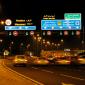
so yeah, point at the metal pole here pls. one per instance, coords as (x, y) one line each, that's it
(83, 38)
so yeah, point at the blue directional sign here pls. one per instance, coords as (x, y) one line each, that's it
(20, 27)
(61, 25)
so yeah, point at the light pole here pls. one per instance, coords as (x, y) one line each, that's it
(83, 39)
(38, 39)
(62, 42)
(58, 45)
(10, 47)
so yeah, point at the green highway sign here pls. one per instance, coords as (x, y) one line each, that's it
(72, 16)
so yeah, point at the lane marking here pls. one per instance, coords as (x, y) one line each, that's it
(38, 83)
(43, 70)
(72, 77)
(47, 71)
(34, 68)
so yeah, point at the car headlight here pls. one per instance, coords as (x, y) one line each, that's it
(38, 61)
(15, 60)
(46, 62)
(25, 60)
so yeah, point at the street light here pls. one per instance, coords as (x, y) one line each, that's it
(52, 43)
(38, 35)
(62, 43)
(48, 42)
(12, 42)
(55, 44)
(61, 33)
(1, 40)
(43, 40)
(35, 38)
(2, 22)
(62, 40)
(21, 44)
(58, 44)
(39, 38)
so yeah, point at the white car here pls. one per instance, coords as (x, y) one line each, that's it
(41, 61)
(20, 60)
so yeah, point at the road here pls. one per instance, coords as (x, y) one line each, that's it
(8, 77)
(52, 75)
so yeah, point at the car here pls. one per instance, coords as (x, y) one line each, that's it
(51, 59)
(63, 61)
(20, 60)
(81, 59)
(41, 61)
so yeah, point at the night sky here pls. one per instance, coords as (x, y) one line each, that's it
(35, 9)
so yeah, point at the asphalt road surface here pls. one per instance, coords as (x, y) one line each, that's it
(8, 77)
(52, 75)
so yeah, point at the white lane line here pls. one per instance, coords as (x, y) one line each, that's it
(34, 67)
(43, 70)
(72, 77)
(47, 71)
(38, 83)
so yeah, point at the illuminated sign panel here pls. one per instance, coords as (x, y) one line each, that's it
(20, 27)
(61, 25)
(72, 16)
